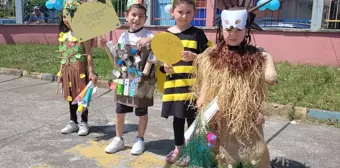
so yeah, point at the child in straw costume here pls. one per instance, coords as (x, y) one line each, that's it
(237, 73)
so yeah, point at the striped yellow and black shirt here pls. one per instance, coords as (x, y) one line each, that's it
(176, 97)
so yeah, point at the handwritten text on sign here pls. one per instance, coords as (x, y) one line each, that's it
(167, 48)
(93, 19)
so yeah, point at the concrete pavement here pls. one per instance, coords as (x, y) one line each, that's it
(31, 120)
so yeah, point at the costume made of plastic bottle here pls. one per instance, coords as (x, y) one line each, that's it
(134, 75)
(74, 65)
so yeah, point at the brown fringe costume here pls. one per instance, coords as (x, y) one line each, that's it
(74, 71)
(237, 77)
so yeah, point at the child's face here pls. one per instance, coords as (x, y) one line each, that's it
(183, 14)
(234, 37)
(136, 18)
(65, 20)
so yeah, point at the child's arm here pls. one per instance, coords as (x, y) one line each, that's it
(270, 72)
(202, 45)
(200, 100)
(88, 49)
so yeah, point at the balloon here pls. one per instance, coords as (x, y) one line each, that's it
(274, 5)
(52, 1)
(48, 5)
(60, 1)
(58, 6)
(168, 8)
(263, 7)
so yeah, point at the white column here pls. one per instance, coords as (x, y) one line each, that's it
(148, 12)
(318, 6)
(19, 11)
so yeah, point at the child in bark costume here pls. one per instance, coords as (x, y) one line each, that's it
(236, 73)
(76, 68)
(134, 76)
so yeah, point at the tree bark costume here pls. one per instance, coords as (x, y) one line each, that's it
(73, 66)
(237, 75)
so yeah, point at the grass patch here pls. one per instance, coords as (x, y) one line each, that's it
(302, 85)
(307, 86)
(42, 58)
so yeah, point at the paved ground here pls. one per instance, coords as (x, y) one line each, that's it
(31, 121)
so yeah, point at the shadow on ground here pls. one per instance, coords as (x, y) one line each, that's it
(287, 163)
(109, 131)
(4, 81)
(160, 147)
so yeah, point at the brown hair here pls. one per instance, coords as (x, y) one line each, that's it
(178, 2)
(136, 6)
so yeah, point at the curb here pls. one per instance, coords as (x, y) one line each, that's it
(323, 114)
(42, 76)
(291, 111)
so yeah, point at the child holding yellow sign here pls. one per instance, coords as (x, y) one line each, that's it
(176, 98)
(76, 69)
(135, 76)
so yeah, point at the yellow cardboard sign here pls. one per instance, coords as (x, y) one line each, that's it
(161, 78)
(94, 18)
(167, 48)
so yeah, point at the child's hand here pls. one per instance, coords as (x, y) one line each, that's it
(143, 42)
(188, 56)
(60, 79)
(200, 102)
(93, 77)
(103, 42)
(260, 119)
(168, 68)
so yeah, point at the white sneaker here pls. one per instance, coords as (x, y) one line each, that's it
(70, 127)
(138, 147)
(83, 129)
(116, 145)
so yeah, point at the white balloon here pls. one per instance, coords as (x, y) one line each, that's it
(52, 1)
(168, 8)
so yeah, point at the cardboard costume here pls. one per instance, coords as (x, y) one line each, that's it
(134, 74)
(237, 75)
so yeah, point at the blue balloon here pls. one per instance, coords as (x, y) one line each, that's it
(274, 5)
(58, 6)
(263, 7)
(48, 5)
(61, 2)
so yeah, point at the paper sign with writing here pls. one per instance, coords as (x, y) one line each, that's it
(167, 48)
(94, 18)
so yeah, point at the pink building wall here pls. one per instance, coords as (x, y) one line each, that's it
(318, 48)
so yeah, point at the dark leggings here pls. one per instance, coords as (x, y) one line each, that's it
(73, 113)
(179, 126)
